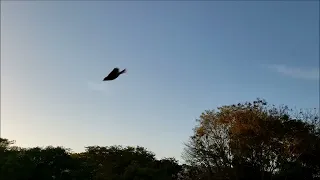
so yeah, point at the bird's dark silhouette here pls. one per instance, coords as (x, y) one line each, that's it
(114, 74)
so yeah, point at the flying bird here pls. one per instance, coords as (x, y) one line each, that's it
(114, 74)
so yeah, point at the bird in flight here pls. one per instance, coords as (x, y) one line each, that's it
(114, 74)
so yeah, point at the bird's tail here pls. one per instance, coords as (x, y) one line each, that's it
(123, 71)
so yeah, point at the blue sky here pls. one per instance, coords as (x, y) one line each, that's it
(182, 58)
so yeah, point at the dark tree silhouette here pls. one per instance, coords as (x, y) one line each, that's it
(96, 163)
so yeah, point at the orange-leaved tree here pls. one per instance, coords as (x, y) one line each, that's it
(253, 140)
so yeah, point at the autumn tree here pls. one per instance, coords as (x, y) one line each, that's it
(253, 140)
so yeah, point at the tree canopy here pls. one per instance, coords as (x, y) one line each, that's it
(256, 141)
(252, 140)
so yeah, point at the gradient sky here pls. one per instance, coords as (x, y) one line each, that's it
(182, 58)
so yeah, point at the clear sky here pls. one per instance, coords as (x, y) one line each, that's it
(182, 58)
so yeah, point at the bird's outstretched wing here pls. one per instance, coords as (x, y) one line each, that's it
(123, 71)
